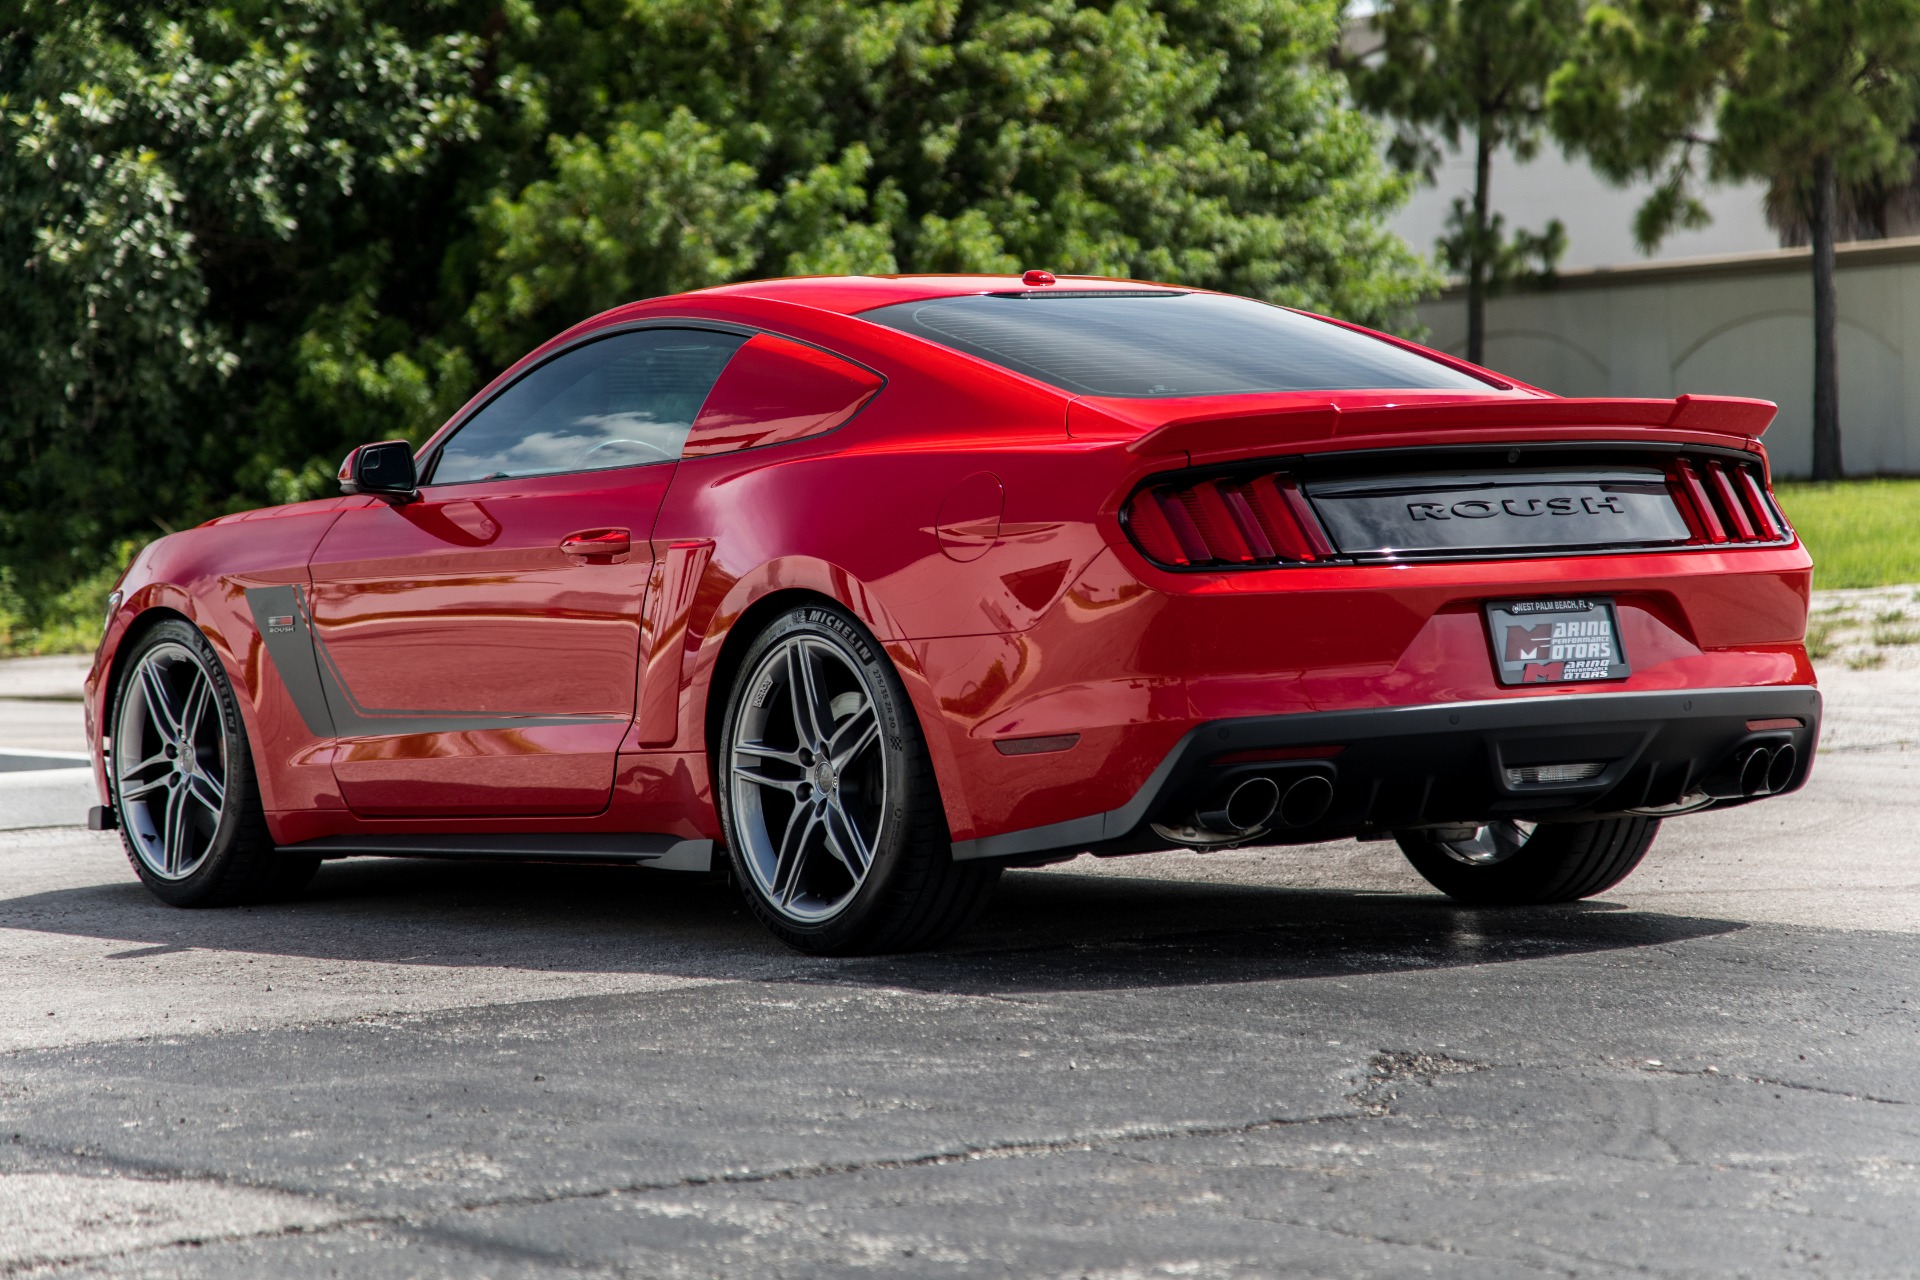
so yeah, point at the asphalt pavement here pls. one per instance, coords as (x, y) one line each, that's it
(1264, 1062)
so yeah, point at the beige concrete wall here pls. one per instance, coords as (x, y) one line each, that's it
(1738, 325)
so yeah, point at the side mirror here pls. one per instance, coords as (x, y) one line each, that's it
(383, 470)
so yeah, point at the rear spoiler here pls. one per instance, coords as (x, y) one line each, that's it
(1268, 428)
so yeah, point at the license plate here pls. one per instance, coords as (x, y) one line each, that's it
(1556, 641)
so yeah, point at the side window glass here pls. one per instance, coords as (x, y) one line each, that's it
(778, 390)
(623, 401)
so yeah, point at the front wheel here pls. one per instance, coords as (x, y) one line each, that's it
(828, 800)
(183, 782)
(1509, 863)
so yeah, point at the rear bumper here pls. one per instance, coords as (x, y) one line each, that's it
(1398, 767)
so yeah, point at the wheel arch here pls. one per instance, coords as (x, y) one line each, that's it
(733, 650)
(152, 606)
(753, 619)
(129, 640)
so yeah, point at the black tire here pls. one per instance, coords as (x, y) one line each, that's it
(234, 856)
(913, 894)
(1555, 862)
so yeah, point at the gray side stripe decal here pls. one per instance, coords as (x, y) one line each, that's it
(280, 615)
(320, 692)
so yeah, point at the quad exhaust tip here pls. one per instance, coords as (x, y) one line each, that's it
(1256, 803)
(1247, 807)
(1765, 770)
(1780, 771)
(1306, 801)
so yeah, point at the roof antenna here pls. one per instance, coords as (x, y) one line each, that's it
(1036, 277)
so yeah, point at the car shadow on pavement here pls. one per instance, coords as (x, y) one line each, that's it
(1045, 932)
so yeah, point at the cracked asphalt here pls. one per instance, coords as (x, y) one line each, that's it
(1257, 1063)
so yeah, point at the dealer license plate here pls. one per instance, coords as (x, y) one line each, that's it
(1556, 641)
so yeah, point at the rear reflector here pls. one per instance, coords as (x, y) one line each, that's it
(1035, 746)
(1782, 722)
(1226, 521)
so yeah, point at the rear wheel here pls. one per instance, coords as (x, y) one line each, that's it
(829, 803)
(1511, 863)
(183, 781)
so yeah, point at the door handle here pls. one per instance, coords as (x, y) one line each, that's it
(598, 544)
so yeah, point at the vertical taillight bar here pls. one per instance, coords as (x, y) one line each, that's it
(1696, 493)
(1290, 537)
(1250, 526)
(1193, 542)
(1303, 517)
(1736, 510)
(1223, 532)
(1147, 522)
(1757, 504)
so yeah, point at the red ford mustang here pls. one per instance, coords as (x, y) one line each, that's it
(870, 587)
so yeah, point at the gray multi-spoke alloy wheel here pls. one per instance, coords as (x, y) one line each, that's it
(183, 782)
(1511, 863)
(1494, 842)
(170, 761)
(832, 816)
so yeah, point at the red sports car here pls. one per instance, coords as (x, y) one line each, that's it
(868, 588)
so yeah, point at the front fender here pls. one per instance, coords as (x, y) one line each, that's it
(141, 604)
(202, 575)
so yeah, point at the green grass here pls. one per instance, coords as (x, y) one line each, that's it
(1862, 533)
(1820, 636)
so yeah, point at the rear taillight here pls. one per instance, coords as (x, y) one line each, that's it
(1725, 502)
(1226, 521)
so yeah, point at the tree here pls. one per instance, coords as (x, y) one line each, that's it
(1448, 69)
(187, 194)
(1199, 142)
(1811, 96)
(239, 237)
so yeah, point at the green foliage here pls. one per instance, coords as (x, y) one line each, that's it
(1448, 70)
(1861, 533)
(1815, 97)
(239, 238)
(1472, 70)
(1686, 92)
(64, 621)
(1522, 258)
(1202, 143)
(651, 211)
(186, 188)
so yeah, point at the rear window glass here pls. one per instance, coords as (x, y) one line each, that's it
(1165, 344)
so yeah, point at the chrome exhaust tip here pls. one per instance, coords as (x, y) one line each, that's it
(1306, 801)
(1248, 807)
(1753, 771)
(1781, 768)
